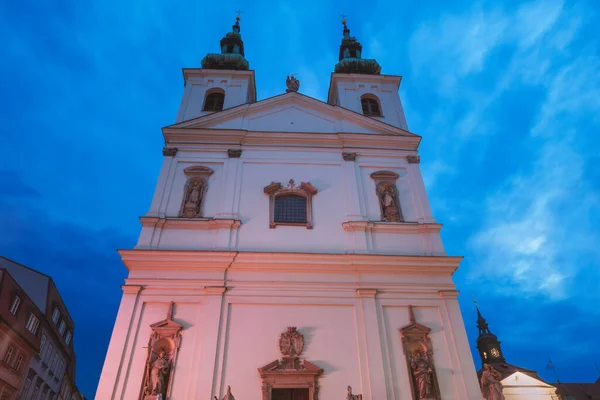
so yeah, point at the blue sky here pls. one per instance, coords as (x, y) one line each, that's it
(506, 96)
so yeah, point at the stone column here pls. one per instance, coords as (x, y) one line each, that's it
(377, 388)
(118, 342)
(463, 367)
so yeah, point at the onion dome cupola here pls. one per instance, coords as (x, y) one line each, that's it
(488, 344)
(350, 61)
(232, 52)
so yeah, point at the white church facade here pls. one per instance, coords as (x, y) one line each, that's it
(290, 250)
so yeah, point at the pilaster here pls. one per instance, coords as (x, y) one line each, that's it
(122, 333)
(353, 206)
(418, 191)
(161, 194)
(377, 387)
(231, 167)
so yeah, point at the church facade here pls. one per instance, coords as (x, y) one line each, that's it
(290, 252)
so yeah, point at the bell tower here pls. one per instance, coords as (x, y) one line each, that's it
(487, 343)
(357, 84)
(223, 82)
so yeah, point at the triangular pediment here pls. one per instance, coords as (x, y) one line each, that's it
(166, 324)
(415, 329)
(520, 379)
(292, 112)
(301, 367)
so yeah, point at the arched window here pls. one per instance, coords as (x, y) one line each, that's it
(290, 204)
(370, 106)
(290, 208)
(214, 101)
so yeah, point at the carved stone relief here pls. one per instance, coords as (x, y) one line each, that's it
(413, 159)
(349, 156)
(290, 371)
(418, 351)
(163, 348)
(387, 193)
(228, 395)
(234, 153)
(351, 396)
(194, 191)
(169, 151)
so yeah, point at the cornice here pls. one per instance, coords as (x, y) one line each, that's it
(391, 227)
(288, 262)
(340, 140)
(190, 223)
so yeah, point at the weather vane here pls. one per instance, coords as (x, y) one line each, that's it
(343, 18)
(238, 12)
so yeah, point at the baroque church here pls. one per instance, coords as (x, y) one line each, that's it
(290, 251)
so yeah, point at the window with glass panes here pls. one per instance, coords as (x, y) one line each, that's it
(290, 209)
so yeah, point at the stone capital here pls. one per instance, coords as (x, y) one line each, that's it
(214, 290)
(366, 292)
(413, 159)
(169, 151)
(448, 294)
(349, 156)
(131, 289)
(234, 153)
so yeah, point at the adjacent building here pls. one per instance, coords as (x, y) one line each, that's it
(53, 363)
(20, 334)
(290, 251)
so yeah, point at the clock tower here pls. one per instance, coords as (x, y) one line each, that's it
(487, 343)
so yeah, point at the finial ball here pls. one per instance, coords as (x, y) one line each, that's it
(344, 21)
(237, 18)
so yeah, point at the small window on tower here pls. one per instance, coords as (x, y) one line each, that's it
(370, 106)
(214, 101)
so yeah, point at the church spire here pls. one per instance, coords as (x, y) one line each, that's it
(487, 343)
(350, 60)
(232, 51)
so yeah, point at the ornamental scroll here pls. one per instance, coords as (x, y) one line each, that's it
(418, 350)
(163, 348)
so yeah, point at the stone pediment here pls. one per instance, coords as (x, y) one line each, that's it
(279, 367)
(415, 329)
(292, 112)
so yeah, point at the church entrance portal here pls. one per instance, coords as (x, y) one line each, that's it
(289, 394)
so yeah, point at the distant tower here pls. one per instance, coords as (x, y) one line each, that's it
(487, 343)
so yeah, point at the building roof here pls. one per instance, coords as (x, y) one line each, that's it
(33, 282)
(580, 391)
(507, 370)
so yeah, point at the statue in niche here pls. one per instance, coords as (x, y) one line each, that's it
(422, 371)
(159, 375)
(353, 396)
(387, 197)
(192, 199)
(490, 383)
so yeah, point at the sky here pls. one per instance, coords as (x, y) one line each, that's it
(506, 96)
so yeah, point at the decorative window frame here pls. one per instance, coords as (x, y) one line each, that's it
(306, 190)
(390, 178)
(196, 173)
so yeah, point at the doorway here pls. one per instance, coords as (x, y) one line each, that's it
(289, 394)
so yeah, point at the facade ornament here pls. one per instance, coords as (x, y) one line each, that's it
(387, 193)
(349, 156)
(163, 347)
(228, 395)
(234, 153)
(351, 396)
(491, 386)
(291, 343)
(169, 151)
(418, 351)
(290, 371)
(194, 191)
(292, 84)
(413, 159)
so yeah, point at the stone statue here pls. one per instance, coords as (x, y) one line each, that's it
(353, 396)
(422, 370)
(228, 395)
(387, 194)
(159, 371)
(292, 84)
(490, 383)
(193, 199)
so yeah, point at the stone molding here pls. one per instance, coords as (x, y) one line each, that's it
(391, 227)
(349, 156)
(366, 292)
(234, 153)
(190, 223)
(288, 262)
(131, 289)
(412, 159)
(169, 151)
(448, 294)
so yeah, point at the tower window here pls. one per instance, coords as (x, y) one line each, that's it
(370, 107)
(290, 209)
(214, 101)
